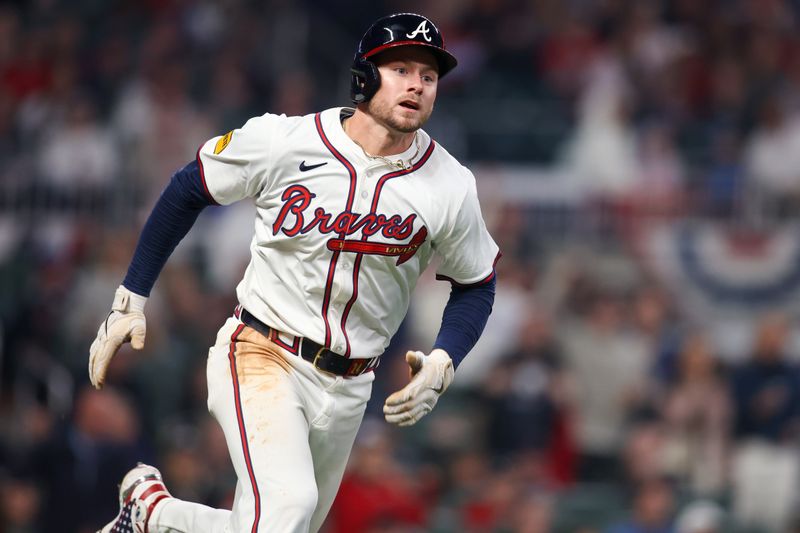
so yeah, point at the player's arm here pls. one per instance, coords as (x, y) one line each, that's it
(468, 257)
(172, 217)
(227, 169)
(463, 320)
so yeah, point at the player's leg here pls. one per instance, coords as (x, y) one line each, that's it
(179, 516)
(253, 394)
(258, 400)
(332, 441)
(145, 503)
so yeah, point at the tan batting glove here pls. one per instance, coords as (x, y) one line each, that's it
(124, 323)
(430, 377)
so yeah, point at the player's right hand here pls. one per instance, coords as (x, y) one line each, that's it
(124, 323)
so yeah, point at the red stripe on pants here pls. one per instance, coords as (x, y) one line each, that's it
(242, 430)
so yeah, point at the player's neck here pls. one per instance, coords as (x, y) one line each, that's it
(374, 137)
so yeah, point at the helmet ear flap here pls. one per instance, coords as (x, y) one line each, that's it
(365, 81)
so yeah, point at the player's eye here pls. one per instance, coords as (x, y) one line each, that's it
(401, 70)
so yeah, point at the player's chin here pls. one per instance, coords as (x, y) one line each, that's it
(408, 120)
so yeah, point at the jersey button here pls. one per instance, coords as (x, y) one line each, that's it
(364, 194)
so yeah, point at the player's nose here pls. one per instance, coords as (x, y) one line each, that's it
(415, 84)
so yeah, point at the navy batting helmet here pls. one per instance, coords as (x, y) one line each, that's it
(400, 29)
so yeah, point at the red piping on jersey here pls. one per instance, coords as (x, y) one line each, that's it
(203, 177)
(350, 302)
(326, 300)
(242, 430)
(373, 209)
(487, 279)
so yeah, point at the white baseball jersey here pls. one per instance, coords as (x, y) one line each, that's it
(341, 238)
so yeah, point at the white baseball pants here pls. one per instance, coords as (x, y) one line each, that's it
(289, 430)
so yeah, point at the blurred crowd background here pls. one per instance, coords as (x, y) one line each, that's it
(638, 162)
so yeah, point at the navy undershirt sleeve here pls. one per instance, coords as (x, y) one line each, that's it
(464, 318)
(171, 219)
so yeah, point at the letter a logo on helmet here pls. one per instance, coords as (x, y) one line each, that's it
(423, 29)
(400, 29)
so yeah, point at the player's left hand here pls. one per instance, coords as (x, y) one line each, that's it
(430, 376)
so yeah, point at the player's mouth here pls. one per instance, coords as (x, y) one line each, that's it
(410, 104)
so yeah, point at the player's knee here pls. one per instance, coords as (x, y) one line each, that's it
(298, 502)
(304, 501)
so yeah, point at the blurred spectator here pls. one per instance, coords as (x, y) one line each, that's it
(602, 152)
(158, 124)
(655, 319)
(764, 484)
(294, 93)
(653, 508)
(491, 506)
(78, 151)
(10, 31)
(525, 399)
(644, 454)
(659, 188)
(533, 513)
(20, 505)
(84, 457)
(375, 489)
(197, 465)
(45, 110)
(766, 388)
(700, 517)
(766, 467)
(29, 71)
(727, 93)
(725, 179)
(773, 156)
(697, 412)
(468, 471)
(608, 369)
(566, 53)
(231, 96)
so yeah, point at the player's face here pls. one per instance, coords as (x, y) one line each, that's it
(409, 78)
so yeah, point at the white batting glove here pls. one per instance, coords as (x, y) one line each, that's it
(430, 377)
(124, 323)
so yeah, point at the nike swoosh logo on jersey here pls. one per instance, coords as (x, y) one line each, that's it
(304, 167)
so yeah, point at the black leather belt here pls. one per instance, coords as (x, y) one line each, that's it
(316, 354)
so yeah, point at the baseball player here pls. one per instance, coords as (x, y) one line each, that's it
(352, 204)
